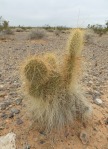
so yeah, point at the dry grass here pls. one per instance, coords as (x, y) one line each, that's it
(37, 34)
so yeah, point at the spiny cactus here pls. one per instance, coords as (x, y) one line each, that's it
(51, 59)
(71, 64)
(55, 96)
(36, 71)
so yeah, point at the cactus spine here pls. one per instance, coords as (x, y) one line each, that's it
(55, 101)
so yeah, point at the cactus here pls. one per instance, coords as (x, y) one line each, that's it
(55, 96)
(51, 59)
(71, 64)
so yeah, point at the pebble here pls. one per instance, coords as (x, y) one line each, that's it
(1, 87)
(19, 121)
(11, 115)
(18, 101)
(4, 116)
(2, 106)
(8, 141)
(84, 137)
(15, 111)
(98, 101)
(97, 93)
(7, 103)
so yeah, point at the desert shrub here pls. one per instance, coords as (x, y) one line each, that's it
(9, 32)
(89, 38)
(23, 28)
(4, 27)
(54, 94)
(61, 28)
(57, 32)
(37, 34)
(98, 29)
(1, 24)
(50, 30)
(48, 27)
(19, 30)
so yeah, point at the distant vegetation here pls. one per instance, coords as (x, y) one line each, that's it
(6, 29)
(99, 29)
(48, 27)
(4, 26)
(37, 34)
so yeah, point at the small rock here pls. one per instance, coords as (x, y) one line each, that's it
(42, 141)
(2, 106)
(15, 111)
(97, 93)
(42, 133)
(4, 116)
(8, 141)
(106, 121)
(11, 115)
(98, 101)
(1, 87)
(7, 103)
(84, 137)
(18, 101)
(19, 121)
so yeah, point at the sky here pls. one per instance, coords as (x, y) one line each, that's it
(72, 13)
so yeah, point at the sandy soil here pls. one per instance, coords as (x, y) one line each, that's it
(13, 113)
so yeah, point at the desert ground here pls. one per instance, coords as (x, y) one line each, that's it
(14, 49)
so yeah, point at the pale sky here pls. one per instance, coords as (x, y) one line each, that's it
(54, 12)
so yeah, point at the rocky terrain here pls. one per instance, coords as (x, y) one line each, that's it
(13, 113)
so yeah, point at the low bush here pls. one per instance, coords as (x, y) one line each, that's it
(37, 34)
(98, 29)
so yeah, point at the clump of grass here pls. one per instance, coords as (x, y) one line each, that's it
(53, 92)
(9, 32)
(37, 34)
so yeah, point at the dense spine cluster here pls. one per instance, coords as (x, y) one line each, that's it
(54, 95)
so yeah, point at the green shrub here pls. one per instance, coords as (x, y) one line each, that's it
(4, 26)
(98, 29)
